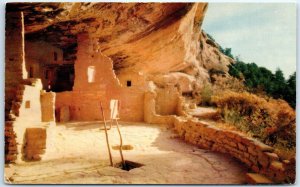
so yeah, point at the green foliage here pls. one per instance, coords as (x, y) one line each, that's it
(290, 91)
(235, 72)
(260, 78)
(210, 37)
(227, 52)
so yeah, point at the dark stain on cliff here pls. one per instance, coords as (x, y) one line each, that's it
(119, 61)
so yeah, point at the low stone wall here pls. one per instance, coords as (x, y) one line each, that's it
(35, 143)
(85, 105)
(256, 155)
(150, 115)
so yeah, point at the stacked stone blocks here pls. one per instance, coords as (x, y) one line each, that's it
(259, 157)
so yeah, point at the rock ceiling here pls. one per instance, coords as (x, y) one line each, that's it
(152, 37)
(58, 23)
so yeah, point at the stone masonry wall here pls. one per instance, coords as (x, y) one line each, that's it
(256, 155)
(14, 57)
(102, 85)
(35, 143)
(28, 113)
(85, 105)
(37, 59)
(22, 95)
(150, 114)
(14, 74)
(48, 106)
(166, 100)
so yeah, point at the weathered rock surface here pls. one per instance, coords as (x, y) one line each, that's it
(153, 38)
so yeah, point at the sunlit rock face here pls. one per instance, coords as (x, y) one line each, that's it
(147, 38)
(210, 56)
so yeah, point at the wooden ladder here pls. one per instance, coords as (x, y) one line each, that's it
(113, 118)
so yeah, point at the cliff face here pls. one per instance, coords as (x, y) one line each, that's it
(152, 39)
(210, 57)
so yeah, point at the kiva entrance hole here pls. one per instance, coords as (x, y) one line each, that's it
(129, 165)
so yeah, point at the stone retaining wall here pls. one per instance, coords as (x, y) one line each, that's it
(256, 155)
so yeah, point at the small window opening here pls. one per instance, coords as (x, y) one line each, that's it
(91, 74)
(55, 56)
(27, 104)
(30, 72)
(128, 83)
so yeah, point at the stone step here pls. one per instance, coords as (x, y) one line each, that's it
(255, 178)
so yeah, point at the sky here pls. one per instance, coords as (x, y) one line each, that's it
(264, 33)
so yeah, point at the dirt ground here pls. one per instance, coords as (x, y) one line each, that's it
(78, 155)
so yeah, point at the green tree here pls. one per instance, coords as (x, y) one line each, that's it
(233, 71)
(227, 52)
(262, 79)
(279, 84)
(290, 94)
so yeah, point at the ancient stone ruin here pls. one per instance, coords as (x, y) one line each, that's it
(63, 59)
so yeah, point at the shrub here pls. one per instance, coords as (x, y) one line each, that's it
(271, 121)
(227, 83)
(206, 94)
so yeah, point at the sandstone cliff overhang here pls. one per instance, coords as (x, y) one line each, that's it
(131, 34)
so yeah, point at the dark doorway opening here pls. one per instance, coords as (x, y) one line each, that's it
(64, 79)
